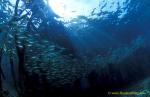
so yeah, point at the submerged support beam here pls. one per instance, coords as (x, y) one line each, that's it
(0, 68)
(1, 71)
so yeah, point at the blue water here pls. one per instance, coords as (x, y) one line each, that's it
(45, 55)
(110, 29)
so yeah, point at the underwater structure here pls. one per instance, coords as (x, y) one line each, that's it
(74, 48)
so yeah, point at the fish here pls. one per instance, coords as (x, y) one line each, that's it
(22, 37)
(31, 42)
(37, 35)
(19, 42)
(20, 46)
(10, 35)
(33, 57)
(4, 48)
(29, 45)
(9, 41)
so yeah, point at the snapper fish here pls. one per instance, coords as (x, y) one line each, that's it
(10, 35)
(19, 42)
(29, 45)
(22, 37)
(5, 48)
(20, 46)
(37, 35)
